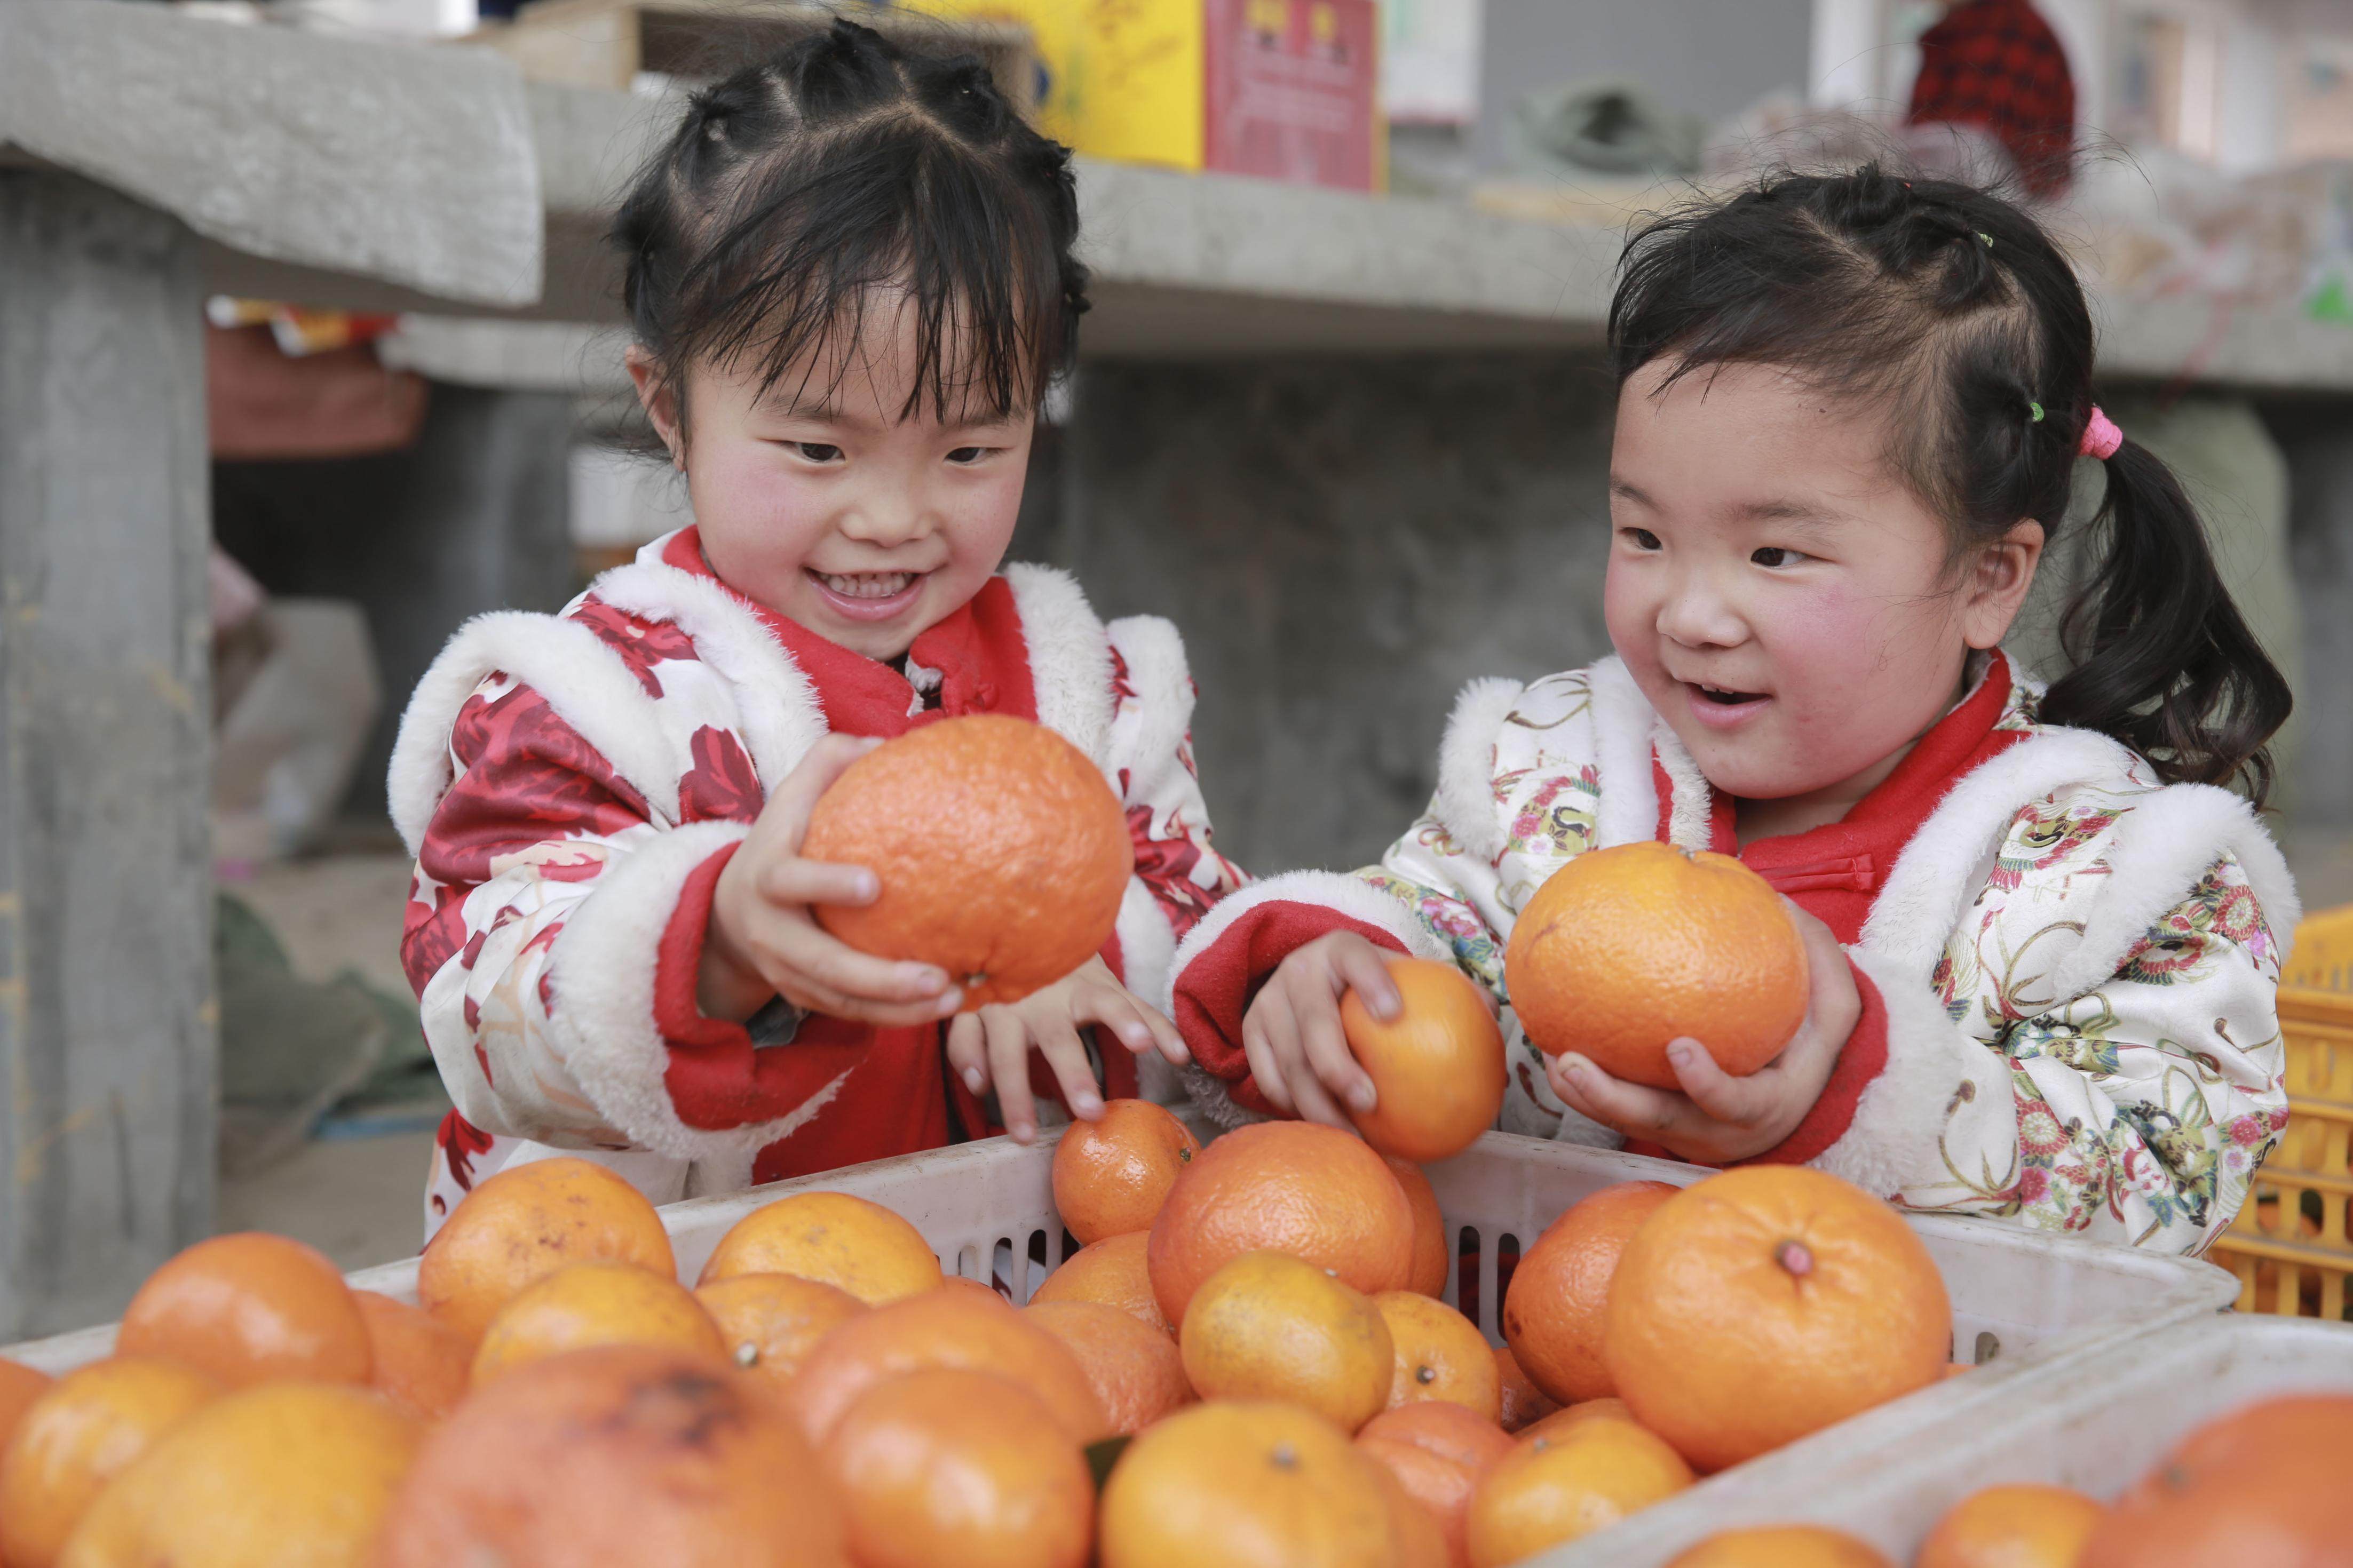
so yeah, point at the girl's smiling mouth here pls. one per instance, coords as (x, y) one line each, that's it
(868, 595)
(1723, 708)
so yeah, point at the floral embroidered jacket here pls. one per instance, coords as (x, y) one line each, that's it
(2068, 969)
(571, 787)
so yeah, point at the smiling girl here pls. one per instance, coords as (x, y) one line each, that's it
(849, 280)
(2043, 940)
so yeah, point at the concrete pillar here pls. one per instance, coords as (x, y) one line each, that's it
(107, 1018)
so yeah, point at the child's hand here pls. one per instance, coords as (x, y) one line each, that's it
(763, 941)
(1298, 1053)
(993, 1044)
(1718, 1118)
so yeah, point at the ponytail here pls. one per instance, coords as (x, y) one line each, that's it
(2163, 660)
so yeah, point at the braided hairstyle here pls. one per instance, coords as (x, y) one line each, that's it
(1953, 312)
(842, 172)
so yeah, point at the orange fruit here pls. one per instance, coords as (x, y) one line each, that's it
(943, 1328)
(86, 1430)
(1437, 1451)
(841, 1240)
(1561, 1420)
(280, 1475)
(249, 1307)
(1002, 853)
(1418, 1536)
(1431, 1255)
(2012, 1526)
(525, 1223)
(1247, 1484)
(959, 1282)
(947, 1464)
(616, 1457)
(1561, 1489)
(1439, 1355)
(19, 1386)
(770, 1322)
(1448, 1430)
(1268, 1326)
(1623, 949)
(1437, 1068)
(1111, 1176)
(2260, 1486)
(422, 1364)
(1113, 1272)
(1133, 1367)
(585, 1304)
(1523, 1402)
(1765, 1303)
(1316, 1192)
(1781, 1546)
(1553, 1310)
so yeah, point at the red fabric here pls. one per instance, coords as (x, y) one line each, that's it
(1997, 65)
(1218, 987)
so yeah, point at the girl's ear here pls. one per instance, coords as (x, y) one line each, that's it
(659, 397)
(1999, 577)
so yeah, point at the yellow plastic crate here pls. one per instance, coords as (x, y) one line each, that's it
(2289, 1245)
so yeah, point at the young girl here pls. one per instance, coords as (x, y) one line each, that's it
(2044, 942)
(849, 278)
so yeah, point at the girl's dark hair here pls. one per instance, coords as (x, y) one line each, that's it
(1954, 312)
(798, 187)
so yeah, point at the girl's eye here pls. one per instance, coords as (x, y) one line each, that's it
(817, 451)
(967, 454)
(1774, 555)
(1641, 538)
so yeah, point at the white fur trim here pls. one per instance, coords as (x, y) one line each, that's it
(2163, 847)
(779, 711)
(1891, 1143)
(602, 971)
(1465, 802)
(1154, 652)
(585, 682)
(1069, 658)
(1945, 862)
(1623, 721)
(1334, 890)
(1147, 943)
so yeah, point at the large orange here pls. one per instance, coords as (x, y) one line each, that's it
(1247, 1484)
(943, 1328)
(950, 1466)
(248, 1307)
(1437, 1068)
(1765, 1303)
(86, 1430)
(1002, 853)
(1112, 1271)
(1111, 1176)
(1439, 1355)
(846, 1241)
(2012, 1526)
(620, 1457)
(1561, 1489)
(280, 1475)
(1431, 1255)
(771, 1322)
(1448, 1430)
(1135, 1368)
(1623, 949)
(1553, 1310)
(19, 1386)
(525, 1223)
(585, 1304)
(1782, 1546)
(1268, 1326)
(1437, 1451)
(422, 1364)
(2264, 1485)
(1316, 1193)
(1523, 1403)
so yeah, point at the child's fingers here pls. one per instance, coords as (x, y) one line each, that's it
(1308, 1095)
(1109, 1006)
(1743, 1101)
(805, 949)
(1364, 969)
(1008, 1069)
(1164, 1035)
(968, 1051)
(793, 881)
(835, 1005)
(1265, 1071)
(1629, 1107)
(787, 811)
(1066, 1055)
(1335, 1068)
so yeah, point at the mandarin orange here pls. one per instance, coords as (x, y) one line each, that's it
(770, 1322)
(2023, 1526)
(1431, 1255)
(422, 1364)
(246, 1308)
(585, 1304)
(1437, 1068)
(1559, 1488)
(525, 1223)
(1523, 1402)
(1553, 1310)
(19, 1386)
(1135, 1369)
(2262, 1485)
(1782, 1546)
(1112, 1175)
(1269, 1326)
(1448, 1430)
(90, 1427)
(1112, 1271)
(1439, 1355)
(835, 1238)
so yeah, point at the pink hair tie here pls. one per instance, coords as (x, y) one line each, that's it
(2101, 439)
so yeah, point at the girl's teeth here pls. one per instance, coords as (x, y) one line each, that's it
(867, 584)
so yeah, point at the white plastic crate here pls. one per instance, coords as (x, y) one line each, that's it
(2096, 1422)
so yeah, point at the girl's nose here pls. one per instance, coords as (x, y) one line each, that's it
(1696, 615)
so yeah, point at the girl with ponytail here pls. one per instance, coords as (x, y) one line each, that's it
(849, 277)
(2044, 923)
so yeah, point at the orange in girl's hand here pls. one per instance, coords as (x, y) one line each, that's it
(1765, 1303)
(1112, 1271)
(525, 1223)
(2012, 1526)
(1626, 949)
(846, 1241)
(1782, 1546)
(1001, 851)
(422, 1364)
(1553, 1310)
(1523, 1403)
(1316, 1192)
(1437, 1068)
(1555, 1489)
(1439, 1354)
(90, 1427)
(247, 1307)
(1431, 1256)
(1112, 1175)
(770, 1322)
(585, 1304)
(1135, 1368)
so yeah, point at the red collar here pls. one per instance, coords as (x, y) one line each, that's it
(978, 648)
